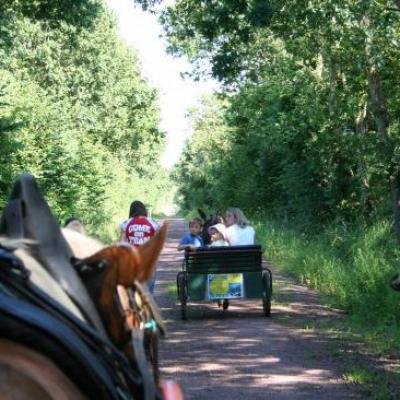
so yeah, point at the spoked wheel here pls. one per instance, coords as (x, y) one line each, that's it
(267, 293)
(182, 294)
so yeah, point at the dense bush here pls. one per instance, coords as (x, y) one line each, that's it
(351, 265)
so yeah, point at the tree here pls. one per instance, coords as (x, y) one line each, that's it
(328, 128)
(77, 112)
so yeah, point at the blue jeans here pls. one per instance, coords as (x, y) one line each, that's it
(151, 283)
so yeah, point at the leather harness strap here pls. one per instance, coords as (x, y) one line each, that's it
(50, 317)
(151, 305)
(137, 339)
(14, 216)
(147, 375)
(128, 311)
(28, 216)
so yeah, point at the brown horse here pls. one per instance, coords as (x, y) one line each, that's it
(108, 275)
(122, 270)
(54, 331)
(27, 374)
(131, 318)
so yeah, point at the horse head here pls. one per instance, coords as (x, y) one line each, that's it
(114, 277)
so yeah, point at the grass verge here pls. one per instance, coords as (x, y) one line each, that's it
(351, 267)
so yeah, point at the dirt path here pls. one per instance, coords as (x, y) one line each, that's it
(240, 354)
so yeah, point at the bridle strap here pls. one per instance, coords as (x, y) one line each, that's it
(125, 303)
(149, 387)
(137, 339)
(151, 306)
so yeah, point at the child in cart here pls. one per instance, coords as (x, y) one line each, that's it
(192, 239)
(217, 234)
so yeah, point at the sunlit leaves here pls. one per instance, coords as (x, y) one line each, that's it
(305, 123)
(77, 112)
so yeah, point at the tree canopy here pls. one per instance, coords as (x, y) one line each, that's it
(310, 110)
(76, 112)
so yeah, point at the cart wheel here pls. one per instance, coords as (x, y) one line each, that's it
(182, 294)
(225, 304)
(183, 310)
(266, 293)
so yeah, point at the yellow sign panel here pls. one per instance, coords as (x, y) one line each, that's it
(225, 286)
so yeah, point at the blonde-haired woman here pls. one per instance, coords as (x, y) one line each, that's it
(239, 231)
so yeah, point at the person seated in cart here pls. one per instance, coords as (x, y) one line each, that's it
(239, 232)
(193, 238)
(217, 233)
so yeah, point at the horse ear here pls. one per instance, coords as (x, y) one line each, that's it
(149, 252)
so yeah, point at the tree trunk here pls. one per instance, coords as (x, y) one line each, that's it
(332, 88)
(361, 129)
(379, 111)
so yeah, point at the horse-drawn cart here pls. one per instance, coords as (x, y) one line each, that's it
(224, 273)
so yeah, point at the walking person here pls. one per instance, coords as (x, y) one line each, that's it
(138, 229)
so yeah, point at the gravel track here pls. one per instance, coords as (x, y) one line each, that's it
(239, 353)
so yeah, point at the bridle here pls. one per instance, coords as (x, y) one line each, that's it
(143, 325)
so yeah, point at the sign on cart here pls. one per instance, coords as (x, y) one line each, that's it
(225, 286)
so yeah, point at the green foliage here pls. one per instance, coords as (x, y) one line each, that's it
(312, 121)
(307, 131)
(219, 31)
(76, 112)
(81, 13)
(352, 265)
(198, 170)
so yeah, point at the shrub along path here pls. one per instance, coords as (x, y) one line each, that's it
(239, 353)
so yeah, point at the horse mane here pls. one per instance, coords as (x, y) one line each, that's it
(395, 282)
(202, 214)
(207, 222)
(82, 246)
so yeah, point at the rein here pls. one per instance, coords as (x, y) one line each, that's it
(139, 309)
(141, 318)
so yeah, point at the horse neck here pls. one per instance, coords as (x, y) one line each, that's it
(101, 286)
